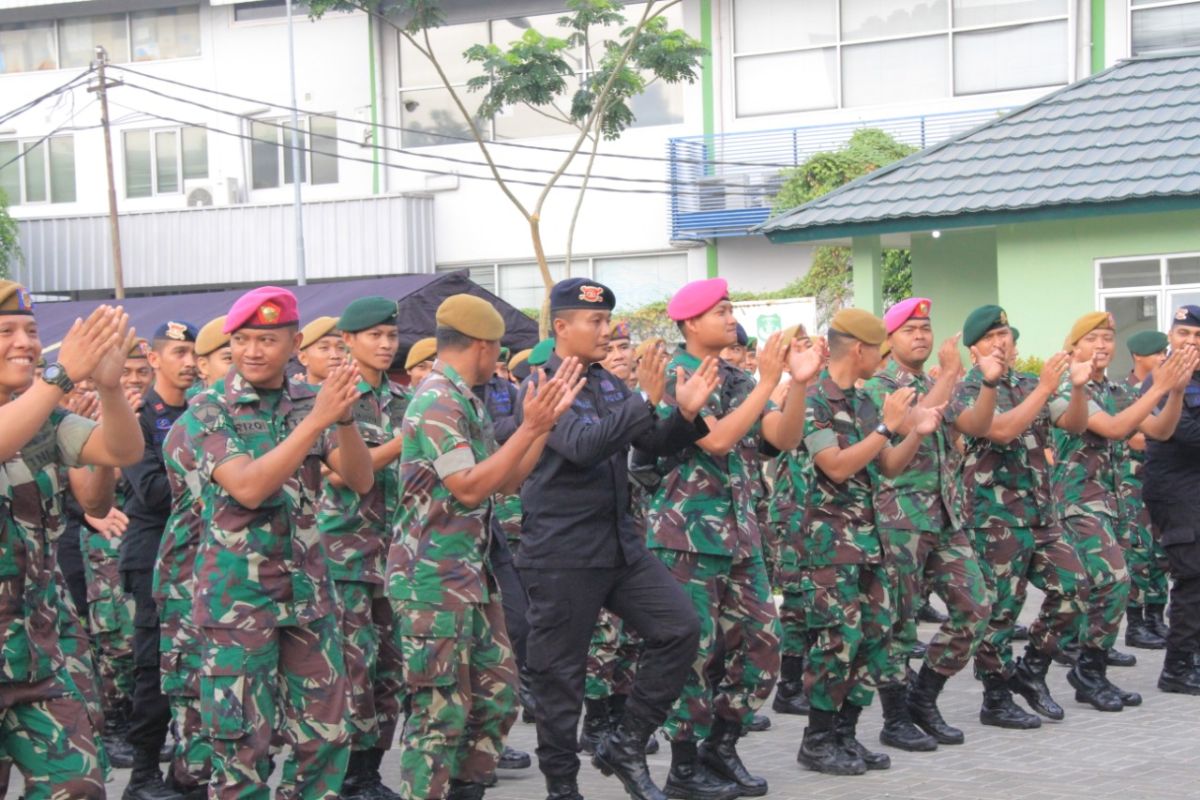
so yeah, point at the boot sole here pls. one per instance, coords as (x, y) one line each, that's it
(743, 790)
(687, 794)
(923, 747)
(608, 771)
(1146, 646)
(1080, 697)
(816, 767)
(778, 709)
(1176, 688)
(951, 740)
(1057, 715)
(1012, 726)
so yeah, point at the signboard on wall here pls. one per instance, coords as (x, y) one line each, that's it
(761, 318)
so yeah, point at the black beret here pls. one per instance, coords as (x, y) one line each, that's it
(177, 332)
(581, 293)
(1187, 315)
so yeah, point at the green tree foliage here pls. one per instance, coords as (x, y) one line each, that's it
(10, 243)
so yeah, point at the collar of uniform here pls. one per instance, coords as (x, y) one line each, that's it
(829, 386)
(902, 376)
(688, 361)
(240, 391)
(451, 374)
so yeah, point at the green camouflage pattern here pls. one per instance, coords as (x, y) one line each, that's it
(439, 551)
(611, 659)
(191, 762)
(708, 504)
(793, 623)
(1012, 558)
(785, 512)
(250, 680)
(508, 513)
(1144, 555)
(110, 617)
(849, 623)
(1103, 561)
(374, 672)
(924, 496)
(1088, 467)
(461, 678)
(738, 620)
(265, 567)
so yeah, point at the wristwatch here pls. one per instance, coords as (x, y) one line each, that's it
(884, 431)
(55, 375)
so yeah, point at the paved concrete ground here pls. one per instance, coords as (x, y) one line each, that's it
(1146, 753)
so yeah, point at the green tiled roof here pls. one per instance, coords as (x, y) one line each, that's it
(1125, 138)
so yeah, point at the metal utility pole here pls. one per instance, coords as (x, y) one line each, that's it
(301, 278)
(101, 89)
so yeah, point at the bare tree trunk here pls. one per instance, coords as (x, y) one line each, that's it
(535, 233)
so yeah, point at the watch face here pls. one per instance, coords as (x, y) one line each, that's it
(52, 372)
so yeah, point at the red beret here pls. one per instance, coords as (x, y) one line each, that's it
(264, 307)
(902, 312)
(697, 297)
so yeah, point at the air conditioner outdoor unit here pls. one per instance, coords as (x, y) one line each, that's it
(223, 192)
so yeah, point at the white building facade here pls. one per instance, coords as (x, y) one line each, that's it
(391, 183)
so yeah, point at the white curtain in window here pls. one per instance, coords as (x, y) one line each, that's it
(895, 72)
(1018, 57)
(783, 82)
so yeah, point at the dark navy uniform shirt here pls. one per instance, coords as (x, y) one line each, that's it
(148, 497)
(1172, 476)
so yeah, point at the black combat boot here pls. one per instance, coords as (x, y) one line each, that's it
(116, 746)
(1139, 632)
(845, 728)
(372, 781)
(562, 787)
(1155, 620)
(513, 758)
(1115, 658)
(820, 750)
(145, 781)
(760, 723)
(1029, 681)
(999, 709)
(461, 790)
(789, 691)
(616, 710)
(719, 753)
(1067, 655)
(1180, 673)
(622, 752)
(898, 728)
(596, 723)
(923, 710)
(1020, 633)
(1087, 678)
(352, 783)
(690, 778)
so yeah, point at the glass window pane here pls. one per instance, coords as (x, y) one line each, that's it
(983, 60)
(660, 104)
(507, 31)
(1185, 269)
(137, 164)
(521, 284)
(448, 43)
(324, 145)
(166, 161)
(267, 9)
(876, 19)
(195, 153)
(285, 136)
(10, 174)
(1122, 274)
(764, 25)
(429, 116)
(1132, 315)
(760, 90)
(519, 122)
(62, 169)
(26, 46)
(264, 156)
(35, 173)
(166, 33)
(77, 39)
(1166, 28)
(895, 72)
(639, 280)
(969, 13)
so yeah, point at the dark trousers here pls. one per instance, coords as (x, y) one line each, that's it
(151, 709)
(516, 606)
(564, 605)
(1180, 535)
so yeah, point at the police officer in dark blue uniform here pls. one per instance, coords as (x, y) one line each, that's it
(580, 550)
(173, 357)
(1172, 495)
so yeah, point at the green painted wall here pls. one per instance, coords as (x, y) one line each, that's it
(1046, 270)
(957, 271)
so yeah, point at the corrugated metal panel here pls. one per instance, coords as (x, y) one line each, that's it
(226, 246)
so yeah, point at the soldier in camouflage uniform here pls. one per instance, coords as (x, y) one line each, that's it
(263, 597)
(847, 591)
(45, 728)
(1006, 419)
(1087, 488)
(703, 526)
(321, 349)
(1147, 561)
(458, 665)
(356, 532)
(174, 584)
(917, 516)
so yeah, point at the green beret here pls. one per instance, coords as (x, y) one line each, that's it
(1016, 332)
(471, 316)
(862, 325)
(367, 312)
(982, 320)
(504, 354)
(1147, 343)
(540, 353)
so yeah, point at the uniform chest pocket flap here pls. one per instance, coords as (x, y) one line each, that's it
(430, 643)
(225, 701)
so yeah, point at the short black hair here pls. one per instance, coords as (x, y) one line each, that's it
(451, 339)
(839, 343)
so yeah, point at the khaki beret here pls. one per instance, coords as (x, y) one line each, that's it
(140, 349)
(885, 350)
(860, 324)
(794, 332)
(645, 347)
(318, 328)
(519, 358)
(1088, 323)
(471, 316)
(211, 337)
(14, 298)
(422, 350)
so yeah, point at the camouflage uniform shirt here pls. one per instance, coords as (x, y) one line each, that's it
(177, 551)
(1088, 467)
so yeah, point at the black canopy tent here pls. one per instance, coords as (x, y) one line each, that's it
(417, 296)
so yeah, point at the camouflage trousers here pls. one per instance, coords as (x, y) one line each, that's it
(793, 622)
(943, 562)
(612, 658)
(1145, 558)
(47, 733)
(373, 664)
(461, 678)
(180, 664)
(245, 677)
(110, 620)
(80, 663)
(1107, 593)
(849, 620)
(1011, 559)
(740, 626)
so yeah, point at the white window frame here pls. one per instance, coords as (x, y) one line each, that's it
(1131, 9)
(154, 192)
(23, 145)
(1162, 290)
(731, 56)
(282, 128)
